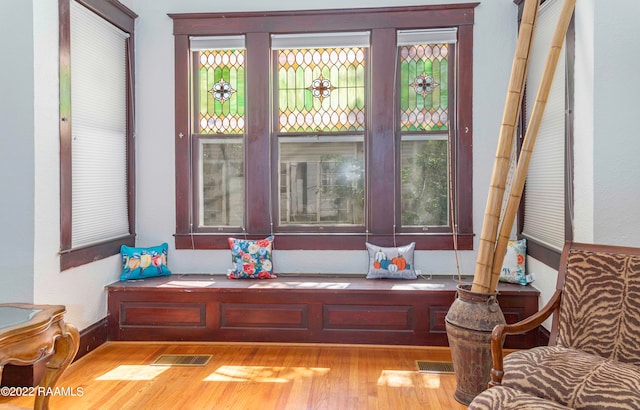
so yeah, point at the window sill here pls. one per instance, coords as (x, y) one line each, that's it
(80, 256)
(432, 241)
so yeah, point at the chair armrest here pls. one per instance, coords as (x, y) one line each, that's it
(501, 331)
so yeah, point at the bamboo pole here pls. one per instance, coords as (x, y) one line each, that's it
(482, 277)
(530, 138)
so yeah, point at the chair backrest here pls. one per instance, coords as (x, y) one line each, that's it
(600, 304)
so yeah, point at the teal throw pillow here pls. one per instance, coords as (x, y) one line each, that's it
(138, 263)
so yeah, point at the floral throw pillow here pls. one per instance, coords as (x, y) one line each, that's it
(513, 266)
(251, 259)
(139, 263)
(391, 263)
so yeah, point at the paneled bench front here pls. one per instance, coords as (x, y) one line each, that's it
(306, 309)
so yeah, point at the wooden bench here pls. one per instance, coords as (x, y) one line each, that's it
(308, 309)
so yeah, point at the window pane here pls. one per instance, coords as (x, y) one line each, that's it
(424, 87)
(425, 182)
(221, 183)
(321, 89)
(321, 182)
(220, 91)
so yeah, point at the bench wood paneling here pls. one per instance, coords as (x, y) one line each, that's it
(311, 309)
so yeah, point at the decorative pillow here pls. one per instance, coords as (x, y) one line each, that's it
(138, 263)
(513, 266)
(251, 259)
(391, 263)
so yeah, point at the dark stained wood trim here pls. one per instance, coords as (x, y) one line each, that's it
(381, 139)
(464, 135)
(80, 256)
(328, 241)
(113, 11)
(568, 148)
(92, 337)
(24, 376)
(543, 253)
(332, 20)
(183, 131)
(65, 123)
(257, 160)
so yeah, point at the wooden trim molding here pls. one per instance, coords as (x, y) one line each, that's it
(92, 337)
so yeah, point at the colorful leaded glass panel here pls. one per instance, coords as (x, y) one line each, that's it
(424, 87)
(221, 91)
(321, 89)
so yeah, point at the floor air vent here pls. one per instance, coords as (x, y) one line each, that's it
(425, 366)
(181, 360)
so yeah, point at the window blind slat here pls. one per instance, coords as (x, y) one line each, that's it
(98, 128)
(545, 186)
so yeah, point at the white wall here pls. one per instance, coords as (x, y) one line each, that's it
(16, 153)
(494, 42)
(616, 136)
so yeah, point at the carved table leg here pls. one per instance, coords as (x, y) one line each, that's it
(65, 349)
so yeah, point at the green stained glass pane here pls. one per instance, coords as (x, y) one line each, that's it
(424, 87)
(221, 91)
(324, 89)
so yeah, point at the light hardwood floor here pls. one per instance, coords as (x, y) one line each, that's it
(118, 375)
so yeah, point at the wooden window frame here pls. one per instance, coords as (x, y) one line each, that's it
(381, 137)
(123, 18)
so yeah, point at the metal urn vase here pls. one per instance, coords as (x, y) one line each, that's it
(469, 323)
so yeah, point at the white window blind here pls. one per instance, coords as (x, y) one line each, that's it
(433, 36)
(320, 40)
(545, 185)
(98, 129)
(216, 43)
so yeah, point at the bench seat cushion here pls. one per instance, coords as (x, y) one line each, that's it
(572, 377)
(506, 398)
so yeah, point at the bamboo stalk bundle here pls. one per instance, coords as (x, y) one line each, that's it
(530, 138)
(486, 251)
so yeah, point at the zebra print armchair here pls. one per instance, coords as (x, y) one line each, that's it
(593, 357)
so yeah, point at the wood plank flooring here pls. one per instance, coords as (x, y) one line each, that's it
(261, 376)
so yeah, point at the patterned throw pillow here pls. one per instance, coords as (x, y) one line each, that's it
(513, 266)
(138, 263)
(391, 263)
(251, 259)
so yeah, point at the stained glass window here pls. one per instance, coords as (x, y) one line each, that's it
(424, 72)
(219, 116)
(424, 87)
(321, 89)
(220, 98)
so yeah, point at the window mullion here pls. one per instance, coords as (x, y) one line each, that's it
(381, 133)
(257, 152)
